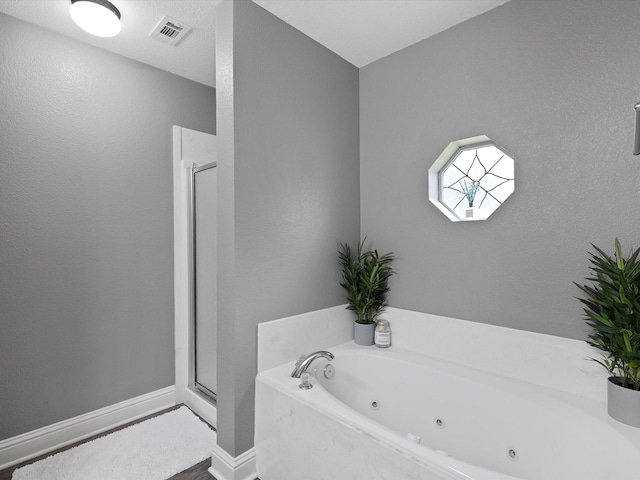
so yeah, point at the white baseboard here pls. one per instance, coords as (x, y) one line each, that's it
(32, 444)
(226, 467)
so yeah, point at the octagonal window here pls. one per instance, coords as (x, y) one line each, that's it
(471, 179)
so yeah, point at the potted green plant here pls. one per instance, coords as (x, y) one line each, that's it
(365, 277)
(612, 310)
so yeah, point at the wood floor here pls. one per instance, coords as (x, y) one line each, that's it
(197, 472)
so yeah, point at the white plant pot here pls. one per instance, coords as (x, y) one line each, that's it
(363, 333)
(623, 404)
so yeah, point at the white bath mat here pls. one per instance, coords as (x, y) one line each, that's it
(155, 449)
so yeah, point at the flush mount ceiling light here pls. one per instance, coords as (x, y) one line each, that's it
(98, 17)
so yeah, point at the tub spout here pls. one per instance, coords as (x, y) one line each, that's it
(303, 364)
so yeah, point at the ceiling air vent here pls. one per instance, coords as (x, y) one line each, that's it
(170, 31)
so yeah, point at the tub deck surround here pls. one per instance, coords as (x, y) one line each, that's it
(554, 362)
(282, 340)
(504, 390)
(546, 360)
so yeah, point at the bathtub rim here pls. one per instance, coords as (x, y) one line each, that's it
(384, 436)
(324, 402)
(452, 469)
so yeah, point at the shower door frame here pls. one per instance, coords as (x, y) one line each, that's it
(190, 149)
(193, 314)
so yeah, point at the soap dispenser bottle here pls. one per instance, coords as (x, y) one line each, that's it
(382, 337)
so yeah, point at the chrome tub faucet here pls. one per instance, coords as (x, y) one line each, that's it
(303, 362)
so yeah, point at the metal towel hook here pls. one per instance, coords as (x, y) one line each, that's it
(636, 147)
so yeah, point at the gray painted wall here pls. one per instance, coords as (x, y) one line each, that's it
(288, 164)
(85, 190)
(554, 82)
(86, 222)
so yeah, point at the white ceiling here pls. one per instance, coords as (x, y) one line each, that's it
(189, 59)
(360, 31)
(363, 31)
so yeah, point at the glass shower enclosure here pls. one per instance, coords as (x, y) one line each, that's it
(195, 270)
(204, 292)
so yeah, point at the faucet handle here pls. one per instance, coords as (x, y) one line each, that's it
(305, 381)
(300, 358)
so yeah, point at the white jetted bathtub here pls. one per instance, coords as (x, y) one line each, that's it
(396, 415)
